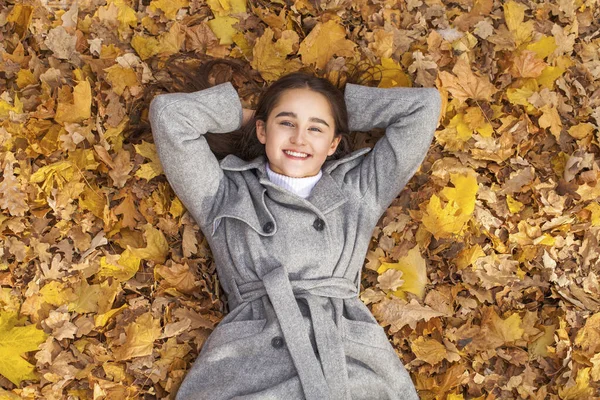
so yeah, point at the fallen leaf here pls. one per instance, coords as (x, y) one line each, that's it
(14, 341)
(323, 42)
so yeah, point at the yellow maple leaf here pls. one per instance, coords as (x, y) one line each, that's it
(540, 346)
(323, 42)
(581, 389)
(514, 206)
(167, 44)
(53, 175)
(102, 319)
(153, 168)
(468, 256)
(520, 96)
(56, 293)
(414, 273)
(156, 248)
(75, 107)
(464, 191)
(551, 119)
(429, 350)
(549, 75)
(221, 8)
(141, 335)
(14, 341)
(508, 329)
(392, 74)
(6, 107)
(594, 209)
(85, 298)
(223, 28)
(169, 7)
(514, 14)
(464, 84)
(122, 267)
(121, 78)
(588, 337)
(24, 78)
(543, 47)
(383, 43)
(176, 209)
(270, 59)
(21, 16)
(451, 219)
(581, 131)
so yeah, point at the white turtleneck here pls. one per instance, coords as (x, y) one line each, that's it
(301, 186)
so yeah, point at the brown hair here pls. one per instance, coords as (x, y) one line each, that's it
(183, 73)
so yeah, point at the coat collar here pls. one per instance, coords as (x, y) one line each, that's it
(325, 196)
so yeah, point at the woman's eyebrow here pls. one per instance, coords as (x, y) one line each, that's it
(293, 115)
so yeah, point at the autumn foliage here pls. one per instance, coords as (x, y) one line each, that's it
(484, 271)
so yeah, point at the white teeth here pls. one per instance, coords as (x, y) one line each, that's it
(295, 154)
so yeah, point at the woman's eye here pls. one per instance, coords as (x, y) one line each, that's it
(316, 129)
(286, 123)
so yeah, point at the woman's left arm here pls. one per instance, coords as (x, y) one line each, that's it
(410, 117)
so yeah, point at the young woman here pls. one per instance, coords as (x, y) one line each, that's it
(289, 231)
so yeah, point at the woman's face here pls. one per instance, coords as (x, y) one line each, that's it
(299, 133)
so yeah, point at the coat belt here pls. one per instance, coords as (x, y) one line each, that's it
(320, 380)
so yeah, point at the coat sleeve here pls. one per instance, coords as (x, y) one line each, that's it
(409, 117)
(179, 122)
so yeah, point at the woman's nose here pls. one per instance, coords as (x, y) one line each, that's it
(298, 136)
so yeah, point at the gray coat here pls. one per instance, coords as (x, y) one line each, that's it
(291, 267)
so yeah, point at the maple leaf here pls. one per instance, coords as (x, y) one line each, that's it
(527, 65)
(21, 15)
(121, 78)
(12, 198)
(167, 44)
(551, 119)
(514, 15)
(413, 273)
(156, 248)
(271, 59)
(398, 313)
(153, 168)
(178, 276)
(581, 389)
(75, 107)
(583, 130)
(169, 7)
(392, 74)
(14, 341)
(323, 42)
(509, 329)
(451, 219)
(464, 84)
(141, 335)
(223, 28)
(429, 350)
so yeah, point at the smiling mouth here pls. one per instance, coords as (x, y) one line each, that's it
(296, 154)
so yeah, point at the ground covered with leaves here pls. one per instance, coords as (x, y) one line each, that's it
(484, 271)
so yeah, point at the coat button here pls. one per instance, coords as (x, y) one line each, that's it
(319, 224)
(268, 227)
(277, 342)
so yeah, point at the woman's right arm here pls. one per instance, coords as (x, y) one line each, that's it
(179, 121)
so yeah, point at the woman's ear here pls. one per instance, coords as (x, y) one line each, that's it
(334, 144)
(261, 131)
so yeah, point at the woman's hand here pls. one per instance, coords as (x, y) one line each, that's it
(247, 115)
